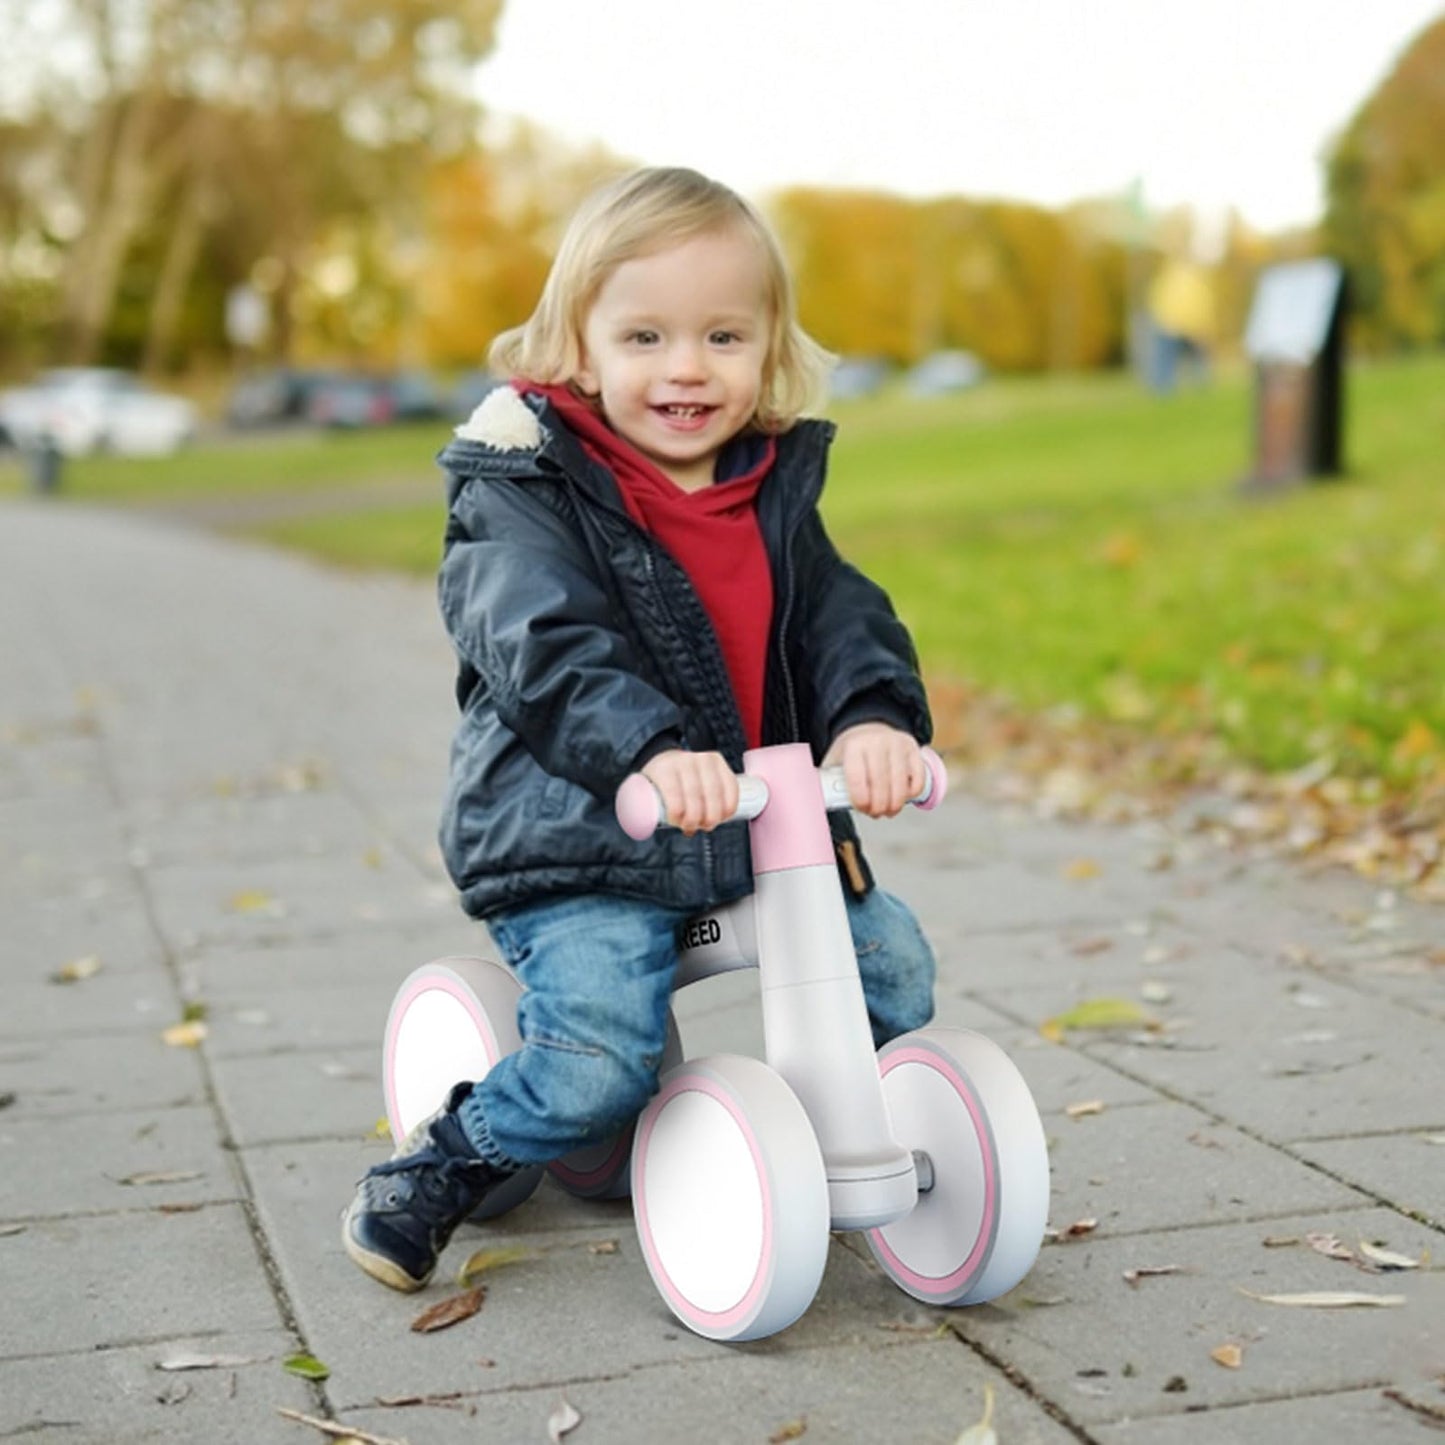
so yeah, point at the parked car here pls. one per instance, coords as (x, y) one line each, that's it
(80, 409)
(274, 397)
(361, 399)
(469, 391)
(856, 376)
(943, 372)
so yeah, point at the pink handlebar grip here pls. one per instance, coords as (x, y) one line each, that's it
(638, 808)
(938, 781)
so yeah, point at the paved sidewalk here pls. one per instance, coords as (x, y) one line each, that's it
(219, 774)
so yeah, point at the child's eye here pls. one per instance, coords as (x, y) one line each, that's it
(724, 338)
(642, 337)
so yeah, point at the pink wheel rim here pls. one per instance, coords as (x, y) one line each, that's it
(722, 1321)
(948, 1285)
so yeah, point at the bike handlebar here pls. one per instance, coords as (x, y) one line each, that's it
(640, 811)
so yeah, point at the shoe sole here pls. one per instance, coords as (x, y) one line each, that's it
(377, 1265)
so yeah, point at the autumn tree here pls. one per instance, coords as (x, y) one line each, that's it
(1385, 218)
(183, 118)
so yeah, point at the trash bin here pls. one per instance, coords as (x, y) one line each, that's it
(43, 464)
(1295, 338)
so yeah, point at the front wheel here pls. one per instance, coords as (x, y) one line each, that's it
(731, 1198)
(957, 1100)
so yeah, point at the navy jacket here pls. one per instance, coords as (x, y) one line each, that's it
(583, 650)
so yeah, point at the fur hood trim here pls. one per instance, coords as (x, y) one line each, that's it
(503, 422)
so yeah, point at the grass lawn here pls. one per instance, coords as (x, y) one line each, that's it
(1070, 542)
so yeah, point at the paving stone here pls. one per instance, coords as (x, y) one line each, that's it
(862, 1392)
(116, 1279)
(118, 999)
(1405, 1170)
(333, 1093)
(1106, 1350)
(87, 1160)
(72, 1075)
(119, 1394)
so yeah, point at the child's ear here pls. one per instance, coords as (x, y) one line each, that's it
(585, 379)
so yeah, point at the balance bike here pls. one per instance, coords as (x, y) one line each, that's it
(738, 1169)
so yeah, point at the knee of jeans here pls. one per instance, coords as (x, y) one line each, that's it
(604, 1089)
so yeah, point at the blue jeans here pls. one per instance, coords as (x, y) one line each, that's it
(598, 974)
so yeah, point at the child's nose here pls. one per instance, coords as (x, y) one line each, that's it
(685, 362)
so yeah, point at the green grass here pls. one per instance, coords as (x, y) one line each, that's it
(1069, 541)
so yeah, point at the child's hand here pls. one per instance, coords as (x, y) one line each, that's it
(698, 790)
(884, 767)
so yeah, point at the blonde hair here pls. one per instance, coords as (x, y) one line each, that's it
(643, 212)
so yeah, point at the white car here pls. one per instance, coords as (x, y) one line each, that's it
(84, 409)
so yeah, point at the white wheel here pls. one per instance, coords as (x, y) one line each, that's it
(957, 1098)
(451, 1020)
(604, 1171)
(731, 1198)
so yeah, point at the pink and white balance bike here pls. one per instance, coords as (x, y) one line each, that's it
(737, 1168)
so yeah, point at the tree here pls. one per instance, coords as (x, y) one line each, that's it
(1385, 217)
(170, 108)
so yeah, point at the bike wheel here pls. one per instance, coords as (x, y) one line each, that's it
(957, 1098)
(604, 1170)
(451, 1020)
(731, 1198)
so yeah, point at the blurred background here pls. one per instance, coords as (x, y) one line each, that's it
(252, 253)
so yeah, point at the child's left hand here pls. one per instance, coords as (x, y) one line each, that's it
(884, 767)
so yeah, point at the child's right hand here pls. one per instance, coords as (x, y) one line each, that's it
(698, 790)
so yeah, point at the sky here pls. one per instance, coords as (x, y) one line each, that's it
(1210, 103)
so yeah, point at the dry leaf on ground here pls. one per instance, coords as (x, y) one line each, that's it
(1328, 1299)
(1230, 1356)
(77, 970)
(338, 1432)
(484, 1260)
(1100, 1014)
(450, 1311)
(981, 1433)
(162, 1176)
(793, 1430)
(1386, 1258)
(1085, 1108)
(562, 1420)
(1151, 1271)
(188, 1035)
(190, 1361)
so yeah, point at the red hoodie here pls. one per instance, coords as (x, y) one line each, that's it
(713, 535)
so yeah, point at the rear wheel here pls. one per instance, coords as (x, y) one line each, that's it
(451, 1020)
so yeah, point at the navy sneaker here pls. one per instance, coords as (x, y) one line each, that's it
(405, 1210)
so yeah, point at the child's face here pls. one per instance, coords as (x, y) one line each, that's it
(674, 347)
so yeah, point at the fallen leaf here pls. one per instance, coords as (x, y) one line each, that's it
(1097, 1013)
(344, 1433)
(162, 1176)
(187, 1361)
(401, 1402)
(307, 1366)
(1153, 991)
(1149, 1271)
(487, 1259)
(1076, 1230)
(793, 1430)
(1279, 1241)
(8, 1097)
(450, 1311)
(1387, 1259)
(981, 1433)
(1081, 870)
(77, 970)
(187, 1035)
(1087, 946)
(6, 1230)
(1081, 1110)
(252, 900)
(382, 1128)
(602, 1246)
(1331, 1246)
(1176, 1385)
(562, 1420)
(1230, 1356)
(1328, 1299)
